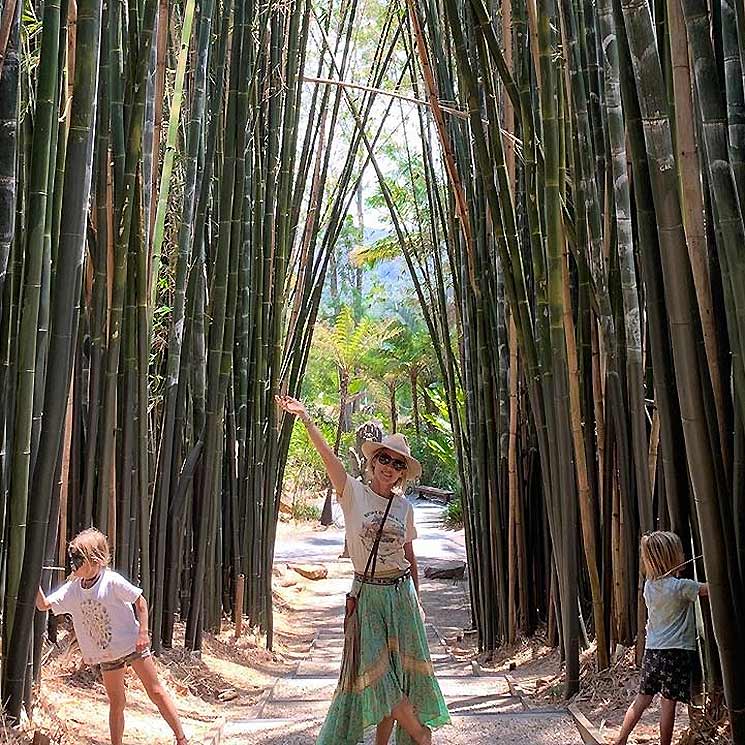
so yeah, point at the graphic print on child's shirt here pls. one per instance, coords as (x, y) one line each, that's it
(97, 622)
(103, 617)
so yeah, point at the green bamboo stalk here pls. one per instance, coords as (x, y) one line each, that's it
(115, 69)
(217, 313)
(9, 99)
(122, 520)
(712, 110)
(44, 124)
(684, 332)
(173, 378)
(170, 152)
(99, 256)
(125, 206)
(68, 279)
(566, 530)
(141, 482)
(625, 246)
(734, 93)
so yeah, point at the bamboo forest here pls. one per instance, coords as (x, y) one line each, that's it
(198, 201)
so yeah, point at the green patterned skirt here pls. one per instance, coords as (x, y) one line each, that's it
(394, 662)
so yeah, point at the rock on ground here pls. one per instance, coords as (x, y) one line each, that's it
(446, 570)
(310, 571)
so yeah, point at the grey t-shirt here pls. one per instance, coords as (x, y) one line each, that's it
(671, 623)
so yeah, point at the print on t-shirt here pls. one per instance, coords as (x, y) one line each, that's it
(363, 513)
(392, 540)
(97, 622)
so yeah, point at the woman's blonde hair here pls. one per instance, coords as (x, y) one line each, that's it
(93, 546)
(662, 553)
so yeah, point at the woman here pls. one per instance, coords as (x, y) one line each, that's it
(394, 680)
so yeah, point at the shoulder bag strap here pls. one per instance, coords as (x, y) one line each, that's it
(373, 558)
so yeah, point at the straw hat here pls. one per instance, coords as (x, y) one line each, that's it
(396, 443)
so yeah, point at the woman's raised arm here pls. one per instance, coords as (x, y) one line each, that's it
(334, 466)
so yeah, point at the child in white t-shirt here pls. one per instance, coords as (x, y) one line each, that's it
(111, 625)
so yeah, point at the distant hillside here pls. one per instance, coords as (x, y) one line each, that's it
(384, 286)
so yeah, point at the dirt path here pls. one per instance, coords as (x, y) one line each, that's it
(483, 708)
(239, 692)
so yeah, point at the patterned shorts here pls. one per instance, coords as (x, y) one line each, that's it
(669, 672)
(128, 659)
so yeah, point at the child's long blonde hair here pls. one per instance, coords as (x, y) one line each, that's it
(93, 546)
(662, 553)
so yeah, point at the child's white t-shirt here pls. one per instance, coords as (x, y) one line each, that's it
(103, 617)
(671, 623)
(363, 512)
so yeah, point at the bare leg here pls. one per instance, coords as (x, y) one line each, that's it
(113, 681)
(633, 715)
(667, 720)
(383, 731)
(405, 716)
(147, 673)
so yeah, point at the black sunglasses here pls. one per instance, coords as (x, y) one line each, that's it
(76, 558)
(384, 459)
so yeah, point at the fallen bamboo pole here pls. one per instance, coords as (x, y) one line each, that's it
(356, 86)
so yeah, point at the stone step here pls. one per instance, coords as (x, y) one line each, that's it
(448, 668)
(453, 688)
(279, 709)
(330, 635)
(318, 668)
(309, 709)
(329, 650)
(524, 728)
(326, 665)
(335, 643)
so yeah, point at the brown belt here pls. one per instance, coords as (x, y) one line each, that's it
(382, 580)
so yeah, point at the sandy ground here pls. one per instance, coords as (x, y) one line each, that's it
(233, 677)
(228, 680)
(604, 696)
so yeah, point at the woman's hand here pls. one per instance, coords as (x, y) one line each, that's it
(334, 467)
(422, 614)
(42, 604)
(292, 406)
(143, 640)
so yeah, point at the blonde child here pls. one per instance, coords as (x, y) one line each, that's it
(671, 633)
(109, 631)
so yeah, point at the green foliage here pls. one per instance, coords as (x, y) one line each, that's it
(305, 470)
(351, 344)
(407, 186)
(438, 448)
(452, 515)
(304, 511)
(380, 356)
(31, 26)
(434, 450)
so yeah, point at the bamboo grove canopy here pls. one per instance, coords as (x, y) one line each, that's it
(168, 207)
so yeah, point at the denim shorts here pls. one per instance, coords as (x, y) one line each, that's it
(128, 659)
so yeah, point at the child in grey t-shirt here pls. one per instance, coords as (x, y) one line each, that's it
(671, 633)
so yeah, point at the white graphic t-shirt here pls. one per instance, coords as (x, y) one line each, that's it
(363, 512)
(104, 621)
